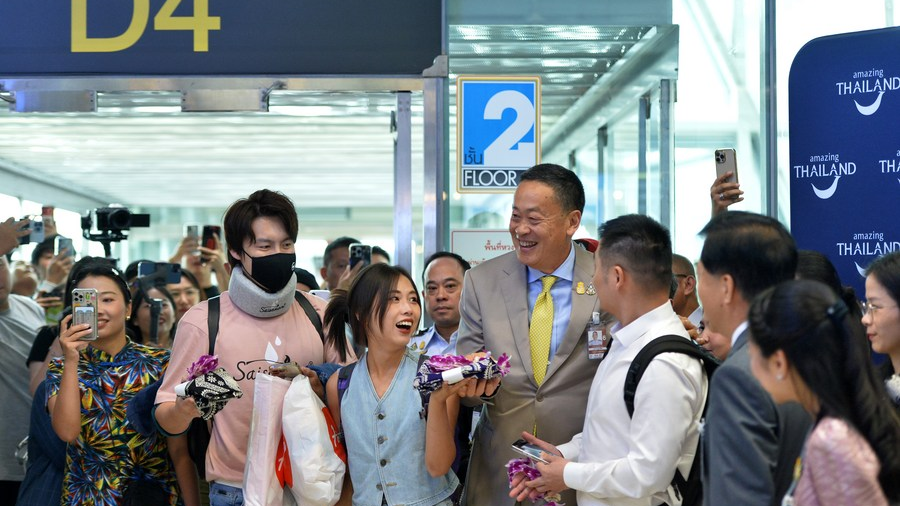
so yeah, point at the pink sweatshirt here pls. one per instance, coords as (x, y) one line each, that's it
(246, 346)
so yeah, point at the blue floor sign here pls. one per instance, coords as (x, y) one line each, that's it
(498, 138)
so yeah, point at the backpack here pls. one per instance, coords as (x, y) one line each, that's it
(690, 489)
(198, 432)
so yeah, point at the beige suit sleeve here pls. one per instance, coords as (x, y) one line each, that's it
(471, 330)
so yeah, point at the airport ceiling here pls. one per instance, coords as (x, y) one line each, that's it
(325, 149)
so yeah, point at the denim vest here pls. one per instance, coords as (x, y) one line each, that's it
(386, 441)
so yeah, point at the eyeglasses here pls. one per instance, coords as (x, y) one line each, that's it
(870, 309)
(682, 275)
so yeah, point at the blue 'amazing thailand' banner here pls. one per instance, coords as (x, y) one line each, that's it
(219, 37)
(844, 105)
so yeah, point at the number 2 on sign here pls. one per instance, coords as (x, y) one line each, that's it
(201, 23)
(500, 153)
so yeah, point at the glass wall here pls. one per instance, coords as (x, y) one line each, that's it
(718, 104)
(798, 22)
(718, 97)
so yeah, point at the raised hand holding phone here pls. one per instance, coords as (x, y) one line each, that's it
(62, 247)
(84, 311)
(725, 190)
(360, 253)
(10, 233)
(71, 337)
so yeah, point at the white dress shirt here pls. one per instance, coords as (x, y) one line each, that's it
(738, 331)
(431, 343)
(622, 461)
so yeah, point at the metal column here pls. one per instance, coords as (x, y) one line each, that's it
(436, 205)
(770, 116)
(666, 158)
(436, 211)
(403, 181)
(602, 138)
(643, 108)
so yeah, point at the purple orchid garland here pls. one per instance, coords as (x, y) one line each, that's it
(526, 467)
(430, 376)
(203, 365)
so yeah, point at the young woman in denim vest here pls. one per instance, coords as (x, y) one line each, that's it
(398, 451)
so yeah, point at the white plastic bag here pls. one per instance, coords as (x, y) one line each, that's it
(265, 470)
(318, 458)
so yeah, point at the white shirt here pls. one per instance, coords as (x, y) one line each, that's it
(431, 343)
(622, 461)
(738, 331)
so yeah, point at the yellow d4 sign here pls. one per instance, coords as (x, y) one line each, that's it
(201, 23)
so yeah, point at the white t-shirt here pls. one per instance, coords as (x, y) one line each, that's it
(18, 328)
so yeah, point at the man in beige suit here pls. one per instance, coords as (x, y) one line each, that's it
(545, 392)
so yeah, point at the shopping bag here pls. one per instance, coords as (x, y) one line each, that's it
(318, 459)
(265, 472)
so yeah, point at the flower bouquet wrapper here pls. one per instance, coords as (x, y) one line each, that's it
(455, 368)
(211, 386)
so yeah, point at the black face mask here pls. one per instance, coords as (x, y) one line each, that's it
(272, 272)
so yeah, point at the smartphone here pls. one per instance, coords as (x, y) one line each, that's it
(529, 450)
(84, 310)
(35, 231)
(168, 273)
(726, 161)
(192, 233)
(63, 245)
(211, 234)
(322, 294)
(360, 253)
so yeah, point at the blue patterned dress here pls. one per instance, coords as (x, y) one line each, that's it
(109, 453)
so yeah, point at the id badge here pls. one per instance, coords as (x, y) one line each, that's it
(597, 342)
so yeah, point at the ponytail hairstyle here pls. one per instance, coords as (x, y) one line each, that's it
(368, 295)
(815, 329)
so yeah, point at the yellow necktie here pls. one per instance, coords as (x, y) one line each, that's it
(541, 331)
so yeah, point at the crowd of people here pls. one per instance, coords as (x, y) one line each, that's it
(796, 412)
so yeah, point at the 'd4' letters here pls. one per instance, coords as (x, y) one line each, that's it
(201, 23)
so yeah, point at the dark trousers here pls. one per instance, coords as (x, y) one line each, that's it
(9, 491)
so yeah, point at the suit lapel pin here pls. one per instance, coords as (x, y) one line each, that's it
(590, 290)
(579, 288)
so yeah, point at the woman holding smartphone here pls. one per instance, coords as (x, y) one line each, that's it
(398, 452)
(806, 346)
(107, 461)
(140, 319)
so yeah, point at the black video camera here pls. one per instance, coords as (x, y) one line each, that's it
(108, 224)
(114, 219)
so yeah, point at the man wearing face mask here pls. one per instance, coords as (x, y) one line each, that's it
(260, 324)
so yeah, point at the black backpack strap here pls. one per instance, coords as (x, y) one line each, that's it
(310, 313)
(212, 322)
(672, 344)
(344, 374)
(664, 344)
